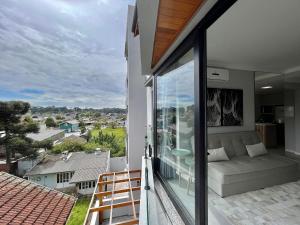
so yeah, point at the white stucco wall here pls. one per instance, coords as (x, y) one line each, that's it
(48, 180)
(136, 99)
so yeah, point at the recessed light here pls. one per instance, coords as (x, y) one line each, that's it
(266, 87)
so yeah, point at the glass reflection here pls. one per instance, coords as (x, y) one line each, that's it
(175, 129)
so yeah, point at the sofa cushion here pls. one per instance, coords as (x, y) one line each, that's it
(256, 150)
(244, 168)
(217, 154)
(234, 143)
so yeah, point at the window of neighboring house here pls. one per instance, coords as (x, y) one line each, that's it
(63, 177)
(86, 185)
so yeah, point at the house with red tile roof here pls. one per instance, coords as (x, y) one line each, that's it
(25, 202)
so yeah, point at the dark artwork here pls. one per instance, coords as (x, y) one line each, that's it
(214, 107)
(224, 107)
(232, 104)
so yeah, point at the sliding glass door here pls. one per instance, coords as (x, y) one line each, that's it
(175, 130)
(180, 130)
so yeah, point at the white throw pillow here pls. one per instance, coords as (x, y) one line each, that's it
(256, 150)
(217, 154)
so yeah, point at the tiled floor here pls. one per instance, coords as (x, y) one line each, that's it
(278, 205)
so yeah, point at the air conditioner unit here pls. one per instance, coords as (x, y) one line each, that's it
(217, 74)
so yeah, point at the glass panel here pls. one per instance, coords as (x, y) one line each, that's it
(175, 129)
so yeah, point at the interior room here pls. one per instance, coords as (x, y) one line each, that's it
(253, 114)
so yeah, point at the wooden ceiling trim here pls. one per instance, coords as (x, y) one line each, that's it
(173, 16)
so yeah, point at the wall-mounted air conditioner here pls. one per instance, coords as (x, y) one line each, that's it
(217, 74)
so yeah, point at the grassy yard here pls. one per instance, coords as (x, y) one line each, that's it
(120, 134)
(79, 211)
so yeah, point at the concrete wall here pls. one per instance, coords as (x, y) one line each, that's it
(136, 99)
(117, 164)
(238, 79)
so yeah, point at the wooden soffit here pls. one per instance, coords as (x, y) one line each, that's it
(173, 16)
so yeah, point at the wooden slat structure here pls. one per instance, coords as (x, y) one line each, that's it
(131, 179)
(173, 16)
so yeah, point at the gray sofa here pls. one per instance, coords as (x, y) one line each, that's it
(242, 173)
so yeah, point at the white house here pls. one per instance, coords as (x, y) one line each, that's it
(76, 172)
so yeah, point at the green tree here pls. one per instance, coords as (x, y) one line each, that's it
(46, 144)
(15, 140)
(50, 122)
(82, 127)
(89, 136)
(68, 145)
(28, 119)
(82, 130)
(59, 117)
(81, 123)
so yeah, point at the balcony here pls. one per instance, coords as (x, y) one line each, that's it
(116, 199)
(127, 198)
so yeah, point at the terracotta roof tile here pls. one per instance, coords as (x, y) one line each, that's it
(24, 202)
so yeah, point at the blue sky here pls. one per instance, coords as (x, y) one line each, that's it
(63, 52)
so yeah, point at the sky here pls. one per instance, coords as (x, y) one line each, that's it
(63, 52)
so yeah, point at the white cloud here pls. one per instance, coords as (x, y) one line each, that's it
(76, 58)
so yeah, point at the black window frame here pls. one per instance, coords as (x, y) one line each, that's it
(196, 40)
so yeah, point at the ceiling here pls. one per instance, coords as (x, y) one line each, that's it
(279, 82)
(173, 15)
(257, 35)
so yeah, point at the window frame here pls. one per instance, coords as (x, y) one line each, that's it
(196, 40)
(63, 177)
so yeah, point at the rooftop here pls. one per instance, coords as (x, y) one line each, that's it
(72, 122)
(87, 166)
(44, 133)
(24, 202)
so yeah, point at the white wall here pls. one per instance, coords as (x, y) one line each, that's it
(48, 180)
(238, 79)
(136, 99)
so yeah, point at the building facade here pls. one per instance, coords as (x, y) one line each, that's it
(69, 126)
(201, 94)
